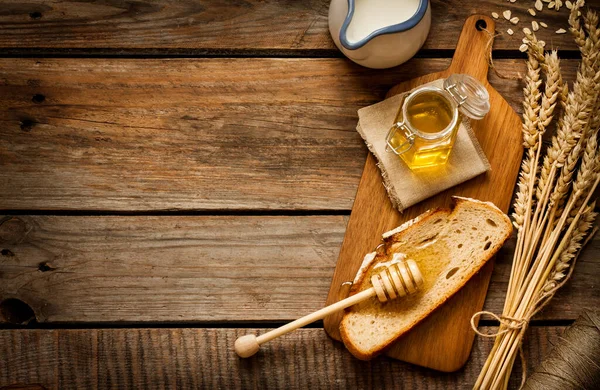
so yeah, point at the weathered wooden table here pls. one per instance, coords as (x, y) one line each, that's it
(176, 174)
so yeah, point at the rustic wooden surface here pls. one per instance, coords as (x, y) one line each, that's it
(226, 26)
(174, 174)
(177, 358)
(190, 134)
(203, 269)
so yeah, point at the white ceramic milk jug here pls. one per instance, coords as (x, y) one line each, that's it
(379, 33)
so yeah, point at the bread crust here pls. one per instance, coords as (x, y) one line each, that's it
(383, 254)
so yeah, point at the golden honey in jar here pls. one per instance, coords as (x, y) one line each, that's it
(425, 128)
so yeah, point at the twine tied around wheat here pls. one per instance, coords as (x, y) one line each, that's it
(506, 322)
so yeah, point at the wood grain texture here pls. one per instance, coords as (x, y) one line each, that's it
(183, 134)
(203, 269)
(168, 268)
(192, 134)
(221, 26)
(442, 341)
(204, 358)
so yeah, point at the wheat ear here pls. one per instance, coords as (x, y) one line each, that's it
(532, 130)
(575, 241)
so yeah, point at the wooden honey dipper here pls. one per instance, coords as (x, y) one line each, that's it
(397, 280)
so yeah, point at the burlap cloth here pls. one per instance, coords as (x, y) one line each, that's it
(404, 186)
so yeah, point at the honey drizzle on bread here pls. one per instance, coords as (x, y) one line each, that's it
(438, 241)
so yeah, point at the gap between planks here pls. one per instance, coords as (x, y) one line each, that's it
(128, 54)
(219, 325)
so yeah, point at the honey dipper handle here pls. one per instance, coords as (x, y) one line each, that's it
(248, 345)
(317, 315)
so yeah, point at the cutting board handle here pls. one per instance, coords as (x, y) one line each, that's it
(475, 41)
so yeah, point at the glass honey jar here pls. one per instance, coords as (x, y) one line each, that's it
(427, 122)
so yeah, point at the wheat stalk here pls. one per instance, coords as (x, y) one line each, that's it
(567, 145)
(556, 161)
(590, 49)
(531, 131)
(535, 114)
(554, 211)
(533, 128)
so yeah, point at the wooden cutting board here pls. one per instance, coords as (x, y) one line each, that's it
(442, 341)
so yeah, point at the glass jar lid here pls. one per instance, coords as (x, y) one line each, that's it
(471, 96)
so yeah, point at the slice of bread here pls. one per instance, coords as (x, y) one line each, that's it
(449, 246)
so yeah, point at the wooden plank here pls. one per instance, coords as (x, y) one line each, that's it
(208, 269)
(169, 268)
(204, 358)
(194, 134)
(221, 26)
(184, 134)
